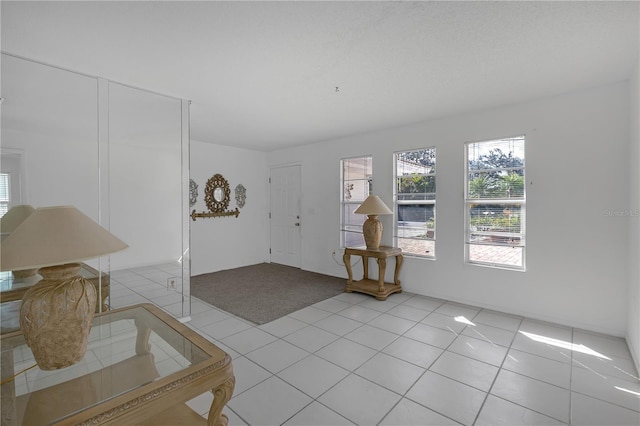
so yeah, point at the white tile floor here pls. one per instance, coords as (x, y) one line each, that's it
(411, 360)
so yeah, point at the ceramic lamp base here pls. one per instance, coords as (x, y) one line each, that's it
(372, 231)
(56, 316)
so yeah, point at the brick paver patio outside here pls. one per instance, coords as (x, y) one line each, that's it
(504, 255)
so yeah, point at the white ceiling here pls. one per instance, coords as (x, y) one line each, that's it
(268, 75)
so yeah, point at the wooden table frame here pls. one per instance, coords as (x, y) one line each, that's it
(162, 401)
(377, 288)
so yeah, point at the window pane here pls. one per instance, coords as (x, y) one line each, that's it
(488, 185)
(350, 218)
(356, 187)
(496, 255)
(4, 187)
(495, 222)
(417, 230)
(496, 155)
(356, 190)
(417, 247)
(416, 214)
(353, 239)
(416, 187)
(421, 161)
(357, 168)
(415, 184)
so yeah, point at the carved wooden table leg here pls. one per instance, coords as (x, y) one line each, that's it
(346, 258)
(221, 395)
(365, 267)
(399, 260)
(142, 338)
(382, 268)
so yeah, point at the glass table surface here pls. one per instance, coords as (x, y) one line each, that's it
(128, 349)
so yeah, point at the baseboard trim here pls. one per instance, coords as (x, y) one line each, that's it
(634, 355)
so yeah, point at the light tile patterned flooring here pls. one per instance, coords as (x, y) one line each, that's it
(410, 360)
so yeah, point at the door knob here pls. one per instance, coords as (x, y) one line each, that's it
(297, 223)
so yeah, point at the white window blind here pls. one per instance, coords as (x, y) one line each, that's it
(495, 203)
(415, 202)
(4, 193)
(356, 185)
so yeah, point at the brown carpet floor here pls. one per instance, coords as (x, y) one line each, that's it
(264, 292)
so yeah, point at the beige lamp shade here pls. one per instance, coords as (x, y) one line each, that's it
(14, 217)
(54, 236)
(373, 205)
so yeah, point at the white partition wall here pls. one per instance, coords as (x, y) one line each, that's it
(145, 175)
(50, 118)
(119, 154)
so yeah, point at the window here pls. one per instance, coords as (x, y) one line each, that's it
(10, 179)
(495, 203)
(4, 193)
(415, 201)
(356, 187)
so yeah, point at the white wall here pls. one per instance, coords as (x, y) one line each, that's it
(221, 243)
(633, 328)
(577, 170)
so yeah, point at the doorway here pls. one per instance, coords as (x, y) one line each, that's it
(285, 220)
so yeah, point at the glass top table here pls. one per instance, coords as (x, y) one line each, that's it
(141, 364)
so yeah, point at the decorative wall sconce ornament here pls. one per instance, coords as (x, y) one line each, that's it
(216, 196)
(241, 195)
(193, 192)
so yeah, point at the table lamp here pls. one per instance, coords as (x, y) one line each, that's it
(372, 227)
(57, 312)
(8, 223)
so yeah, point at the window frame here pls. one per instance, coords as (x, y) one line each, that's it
(496, 203)
(5, 201)
(397, 239)
(352, 228)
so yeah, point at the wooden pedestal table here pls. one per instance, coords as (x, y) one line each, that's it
(377, 288)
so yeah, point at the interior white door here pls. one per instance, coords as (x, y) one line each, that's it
(285, 215)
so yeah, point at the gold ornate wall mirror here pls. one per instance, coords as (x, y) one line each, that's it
(216, 196)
